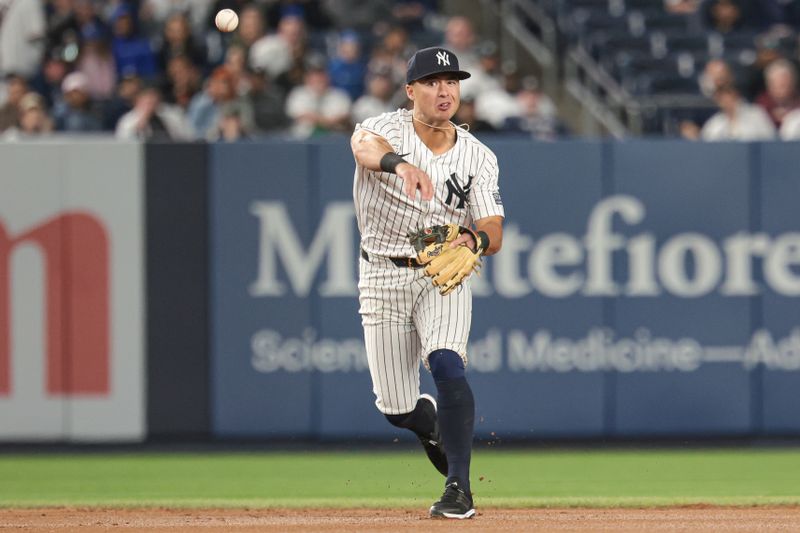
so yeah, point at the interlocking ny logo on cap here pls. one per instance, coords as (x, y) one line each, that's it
(433, 60)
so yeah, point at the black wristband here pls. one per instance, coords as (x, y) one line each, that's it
(390, 160)
(484, 240)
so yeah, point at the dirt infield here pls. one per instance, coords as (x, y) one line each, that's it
(694, 518)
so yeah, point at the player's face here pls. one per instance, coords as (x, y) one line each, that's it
(436, 98)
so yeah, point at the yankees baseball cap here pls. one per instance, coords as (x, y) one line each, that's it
(435, 60)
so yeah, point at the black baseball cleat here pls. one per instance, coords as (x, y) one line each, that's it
(433, 442)
(454, 503)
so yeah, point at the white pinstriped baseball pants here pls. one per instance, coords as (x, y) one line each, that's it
(405, 319)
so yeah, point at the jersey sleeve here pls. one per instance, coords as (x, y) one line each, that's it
(485, 200)
(387, 125)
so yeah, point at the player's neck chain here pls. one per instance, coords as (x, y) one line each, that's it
(451, 126)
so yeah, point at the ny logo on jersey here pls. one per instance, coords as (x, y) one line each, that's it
(443, 58)
(455, 189)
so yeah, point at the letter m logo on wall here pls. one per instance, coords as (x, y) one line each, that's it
(75, 258)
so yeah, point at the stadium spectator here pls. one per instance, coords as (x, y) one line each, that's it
(177, 40)
(205, 108)
(392, 52)
(726, 16)
(271, 53)
(378, 98)
(156, 13)
(536, 113)
(236, 64)
(22, 36)
(132, 52)
(468, 119)
(315, 107)
(47, 82)
(364, 16)
(459, 38)
(300, 49)
(183, 82)
(790, 127)
(489, 58)
(66, 21)
(108, 43)
(683, 7)
(715, 74)
(96, 62)
(62, 27)
(346, 68)
(86, 12)
(737, 119)
(252, 27)
(413, 14)
(33, 119)
(67, 26)
(768, 49)
(276, 54)
(123, 100)
(231, 126)
(268, 102)
(497, 105)
(311, 11)
(151, 119)
(16, 89)
(76, 114)
(487, 76)
(781, 95)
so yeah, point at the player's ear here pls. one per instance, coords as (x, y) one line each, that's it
(410, 92)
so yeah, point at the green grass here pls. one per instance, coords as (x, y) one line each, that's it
(401, 479)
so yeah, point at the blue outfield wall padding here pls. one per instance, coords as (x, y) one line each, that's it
(523, 309)
(778, 344)
(346, 405)
(259, 383)
(626, 300)
(674, 291)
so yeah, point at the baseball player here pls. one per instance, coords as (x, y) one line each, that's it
(417, 169)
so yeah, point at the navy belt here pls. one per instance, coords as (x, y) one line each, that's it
(404, 262)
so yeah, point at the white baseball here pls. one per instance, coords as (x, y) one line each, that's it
(226, 20)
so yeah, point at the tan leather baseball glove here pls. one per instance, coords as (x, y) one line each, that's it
(447, 267)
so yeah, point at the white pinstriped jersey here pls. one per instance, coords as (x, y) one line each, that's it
(404, 316)
(464, 180)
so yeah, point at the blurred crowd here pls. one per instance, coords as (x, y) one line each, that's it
(756, 95)
(159, 69)
(769, 113)
(760, 103)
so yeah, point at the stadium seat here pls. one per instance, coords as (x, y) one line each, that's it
(738, 41)
(566, 9)
(606, 45)
(644, 4)
(570, 5)
(658, 20)
(665, 43)
(666, 83)
(629, 67)
(583, 22)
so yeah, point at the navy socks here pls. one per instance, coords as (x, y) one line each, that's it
(456, 407)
